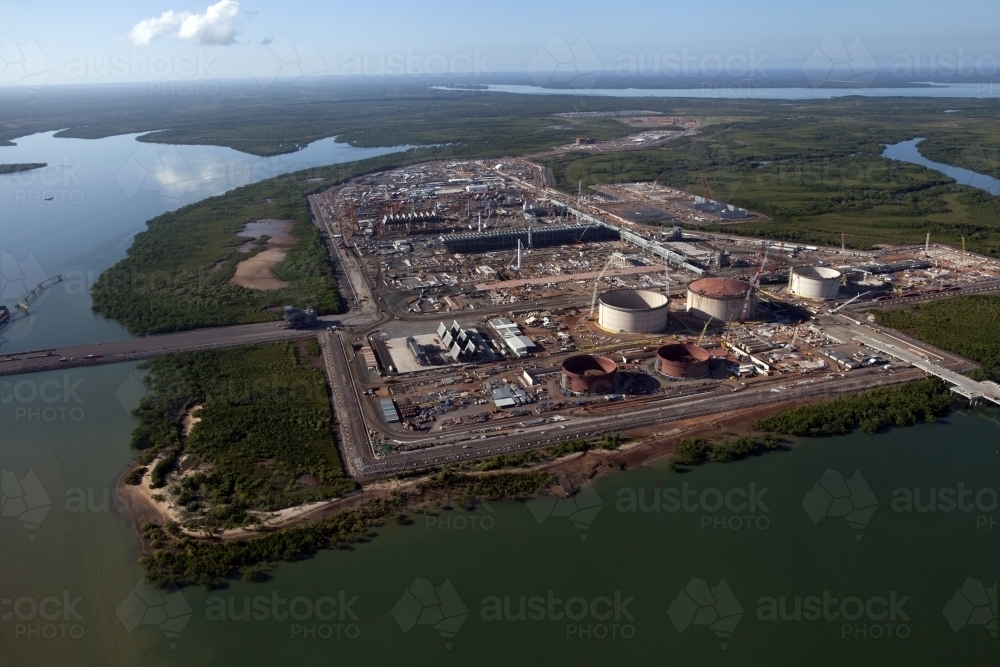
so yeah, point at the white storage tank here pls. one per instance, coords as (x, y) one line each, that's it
(814, 282)
(634, 311)
(720, 299)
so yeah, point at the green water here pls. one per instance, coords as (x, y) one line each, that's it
(513, 550)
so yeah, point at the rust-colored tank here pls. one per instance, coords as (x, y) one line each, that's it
(589, 374)
(681, 360)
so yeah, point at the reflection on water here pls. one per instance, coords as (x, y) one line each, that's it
(77, 216)
(907, 151)
(725, 564)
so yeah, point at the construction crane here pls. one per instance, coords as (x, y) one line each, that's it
(849, 301)
(754, 284)
(705, 187)
(703, 330)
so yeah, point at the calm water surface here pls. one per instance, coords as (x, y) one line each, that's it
(77, 216)
(664, 564)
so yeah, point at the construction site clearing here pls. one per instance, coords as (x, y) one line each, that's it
(488, 281)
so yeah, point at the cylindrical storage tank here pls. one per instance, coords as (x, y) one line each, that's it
(720, 298)
(634, 311)
(589, 374)
(814, 282)
(683, 361)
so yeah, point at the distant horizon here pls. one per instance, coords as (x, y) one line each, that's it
(55, 42)
(787, 77)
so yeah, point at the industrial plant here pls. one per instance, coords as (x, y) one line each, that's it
(682, 360)
(723, 299)
(510, 308)
(634, 311)
(589, 374)
(815, 282)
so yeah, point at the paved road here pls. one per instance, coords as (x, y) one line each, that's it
(146, 348)
(363, 465)
(985, 287)
(920, 356)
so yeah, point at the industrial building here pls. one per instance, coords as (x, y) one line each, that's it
(814, 282)
(389, 411)
(683, 361)
(532, 377)
(720, 299)
(510, 396)
(461, 344)
(589, 374)
(634, 311)
(531, 237)
(513, 338)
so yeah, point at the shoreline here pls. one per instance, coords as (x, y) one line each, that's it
(570, 473)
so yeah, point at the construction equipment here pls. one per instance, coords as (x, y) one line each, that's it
(755, 283)
(849, 301)
(703, 330)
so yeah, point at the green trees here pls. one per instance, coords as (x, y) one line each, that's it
(871, 411)
(966, 325)
(694, 451)
(264, 438)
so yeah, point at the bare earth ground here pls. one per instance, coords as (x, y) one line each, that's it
(255, 272)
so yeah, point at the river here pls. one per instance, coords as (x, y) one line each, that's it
(909, 151)
(748, 90)
(657, 543)
(78, 215)
(806, 556)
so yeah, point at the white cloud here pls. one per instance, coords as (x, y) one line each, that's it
(216, 26)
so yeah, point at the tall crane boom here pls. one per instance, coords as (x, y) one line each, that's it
(755, 283)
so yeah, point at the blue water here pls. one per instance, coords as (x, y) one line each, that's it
(751, 91)
(77, 216)
(908, 151)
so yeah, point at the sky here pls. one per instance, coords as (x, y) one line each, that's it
(113, 41)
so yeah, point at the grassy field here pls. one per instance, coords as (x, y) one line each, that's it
(818, 172)
(966, 325)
